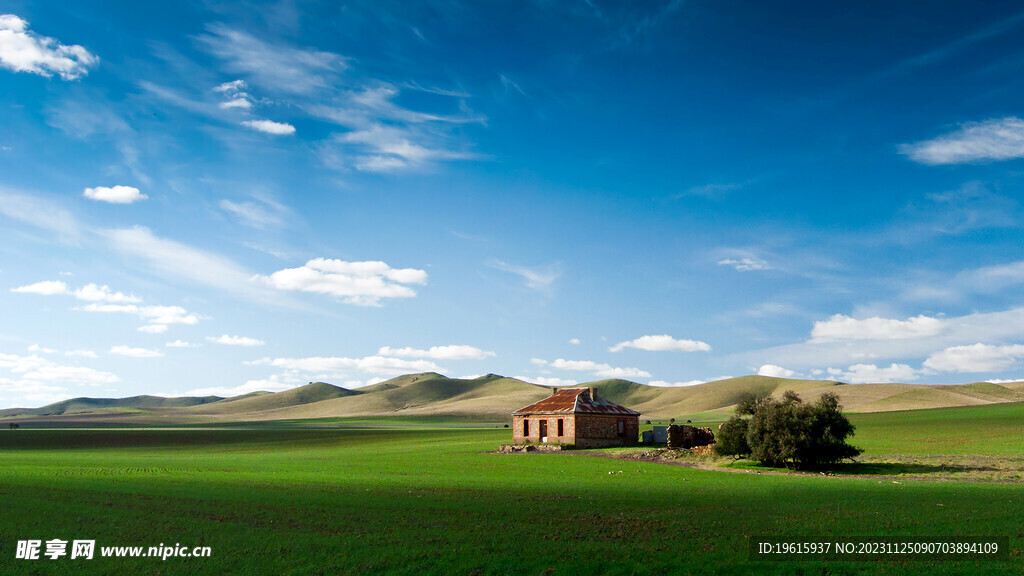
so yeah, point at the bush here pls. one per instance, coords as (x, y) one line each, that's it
(790, 433)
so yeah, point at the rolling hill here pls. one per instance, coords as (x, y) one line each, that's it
(493, 398)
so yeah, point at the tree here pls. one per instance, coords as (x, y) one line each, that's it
(732, 438)
(787, 432)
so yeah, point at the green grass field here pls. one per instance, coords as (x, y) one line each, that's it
(431, 500)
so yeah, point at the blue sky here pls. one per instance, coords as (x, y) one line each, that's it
(220, 197)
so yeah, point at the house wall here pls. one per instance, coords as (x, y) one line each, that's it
(583, 430)
(568, 429)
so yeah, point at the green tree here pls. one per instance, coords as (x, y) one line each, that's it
(788, 432)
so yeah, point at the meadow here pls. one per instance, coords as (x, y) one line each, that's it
(377, 496)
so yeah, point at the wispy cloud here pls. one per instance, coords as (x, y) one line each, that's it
(40, 213)
(991, 140)
(259, 212)
(537, 278)
(135, 352)
(22, 50)
(746, 264)
(598, 369)
(277, 67)
(337, 365)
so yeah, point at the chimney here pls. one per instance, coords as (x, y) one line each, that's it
(593, 394)
(554, 391)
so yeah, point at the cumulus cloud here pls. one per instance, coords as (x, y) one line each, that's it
(661, 343)
(841, 327)
(359, 283)
(236, 340)
(275, 383)
(270, 127)
(451, 352)
(598, 369)
(45, 288)
(35, 368)
(775, 371)
(870, 373)
(152, 314)
(235, 95)
(665, 384)
(114, 194)
(975, 358)
(89, 292)
(135, 352)
(746, 264)
(335, 365)
(544, 381)
(24, 51)
(995, 139)
(181, 344)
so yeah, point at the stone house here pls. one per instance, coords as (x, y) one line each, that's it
(576, 416)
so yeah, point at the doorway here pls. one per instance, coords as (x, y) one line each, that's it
(543, 430)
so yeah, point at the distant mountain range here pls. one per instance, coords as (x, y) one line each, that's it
(494, 397)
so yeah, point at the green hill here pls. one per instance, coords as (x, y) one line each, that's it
(494, 397)
(260, 402)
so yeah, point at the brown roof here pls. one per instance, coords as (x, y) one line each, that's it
(575, 401)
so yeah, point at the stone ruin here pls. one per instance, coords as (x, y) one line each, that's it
(683, 437)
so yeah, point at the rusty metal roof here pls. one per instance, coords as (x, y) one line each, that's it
(575, 401)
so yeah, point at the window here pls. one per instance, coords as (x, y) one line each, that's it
(561, 428)
(526, 428)
(622, 428)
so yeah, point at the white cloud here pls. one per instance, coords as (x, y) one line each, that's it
(94, 293)
(38, 348)
(975, 358)
(664, 384)
(775, 371)
(995, 139)
(335, 365)
(135, 352)
(40, 213)
(599, 370)
(661, 343)
(359, 283)
(262, 215)
(746, 264)
(870, 373)
(152, 314)
(451, 352)
(115, 194)
(270, 127)
(276, 383)
(236, 340)
(840, 327)
(178, 262)
(25, 51)
(81, 354)
(43, 370)
(272, 66)
(181, 344)
(153, 328)
(1004, 381)
(236, 95)
(29, 393)
(574, 341)
(544, 381)
(45, 288)
(540, 278)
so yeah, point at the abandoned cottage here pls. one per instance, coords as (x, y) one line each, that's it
(576, 416)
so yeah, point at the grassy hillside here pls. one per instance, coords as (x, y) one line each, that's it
(494, 397)
(308, 394)
(80, 405)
